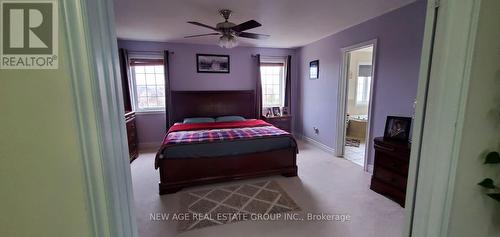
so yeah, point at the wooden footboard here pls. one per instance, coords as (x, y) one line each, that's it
(176, 174)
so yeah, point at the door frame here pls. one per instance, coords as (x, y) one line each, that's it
(343, 93)
(92, 53)
(447, 55)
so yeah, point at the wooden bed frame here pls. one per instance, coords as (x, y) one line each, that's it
(176, 174)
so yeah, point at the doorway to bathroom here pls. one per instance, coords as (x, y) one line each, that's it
(356, 85)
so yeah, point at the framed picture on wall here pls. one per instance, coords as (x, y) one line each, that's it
(314, 69)
(212, 63)
(397, 128)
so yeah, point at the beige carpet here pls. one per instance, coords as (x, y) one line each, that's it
(325, 184)
(230, 204)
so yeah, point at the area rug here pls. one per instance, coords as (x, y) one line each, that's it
(224, 205)
(352, 142)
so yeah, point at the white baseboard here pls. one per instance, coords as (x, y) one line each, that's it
(369, 169)
(318, 144)
(149, 146)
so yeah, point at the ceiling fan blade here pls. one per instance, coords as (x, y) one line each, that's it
(202, 25)
(191, 36)
(246, 26)
(252, 35)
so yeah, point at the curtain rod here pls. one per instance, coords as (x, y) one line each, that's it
(269, 56)
(149, 51)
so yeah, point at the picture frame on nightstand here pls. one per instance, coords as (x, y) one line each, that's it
(269, 112)
(284, 111)
(276, 111)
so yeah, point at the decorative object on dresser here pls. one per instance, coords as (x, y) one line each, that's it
(283, 122)
(133, 149)
(397, 128)
(390, 171)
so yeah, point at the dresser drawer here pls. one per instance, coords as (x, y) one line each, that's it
(283, 122)
(389, 191)
(132, 136)
(392, 163)
(390, 178)
(284, 125)
(398, 151)
(132, 147)
(130, 125)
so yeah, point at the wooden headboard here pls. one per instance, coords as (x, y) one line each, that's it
(187, 104)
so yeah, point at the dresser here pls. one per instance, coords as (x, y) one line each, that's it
(390, 170)
(133, 148)
(282, 122)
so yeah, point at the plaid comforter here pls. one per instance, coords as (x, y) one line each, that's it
(185, 134)
(203, 136)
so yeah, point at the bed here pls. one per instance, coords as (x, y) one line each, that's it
(202, 153)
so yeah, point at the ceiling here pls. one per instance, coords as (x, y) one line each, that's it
(291, 23)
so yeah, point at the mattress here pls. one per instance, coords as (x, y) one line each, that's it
(227, 148)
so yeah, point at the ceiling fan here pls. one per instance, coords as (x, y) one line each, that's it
(230, 31)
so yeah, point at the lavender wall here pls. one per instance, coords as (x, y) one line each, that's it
(183, 76)
(399, 35)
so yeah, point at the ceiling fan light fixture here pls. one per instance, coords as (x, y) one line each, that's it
(230, 31)
(228, 41)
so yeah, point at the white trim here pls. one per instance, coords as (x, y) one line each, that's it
(150, 112)
(418, 121)
(342, 95)
(318, 144)
(444, 121)
(79, 68)
(133, 93)
(93, 62)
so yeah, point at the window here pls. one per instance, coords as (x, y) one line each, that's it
(148, 80)
(272, 79)
(363, 84)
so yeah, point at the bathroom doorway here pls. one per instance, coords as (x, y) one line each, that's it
(357, 85)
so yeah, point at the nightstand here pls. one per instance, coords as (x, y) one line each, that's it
(283, 122)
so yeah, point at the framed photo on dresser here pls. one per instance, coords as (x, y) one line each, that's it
(397, 128)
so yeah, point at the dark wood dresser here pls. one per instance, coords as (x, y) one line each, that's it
(390, 171)
(282, 122)
(133, 148)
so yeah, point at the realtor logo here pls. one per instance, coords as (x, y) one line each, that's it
(29, 35)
